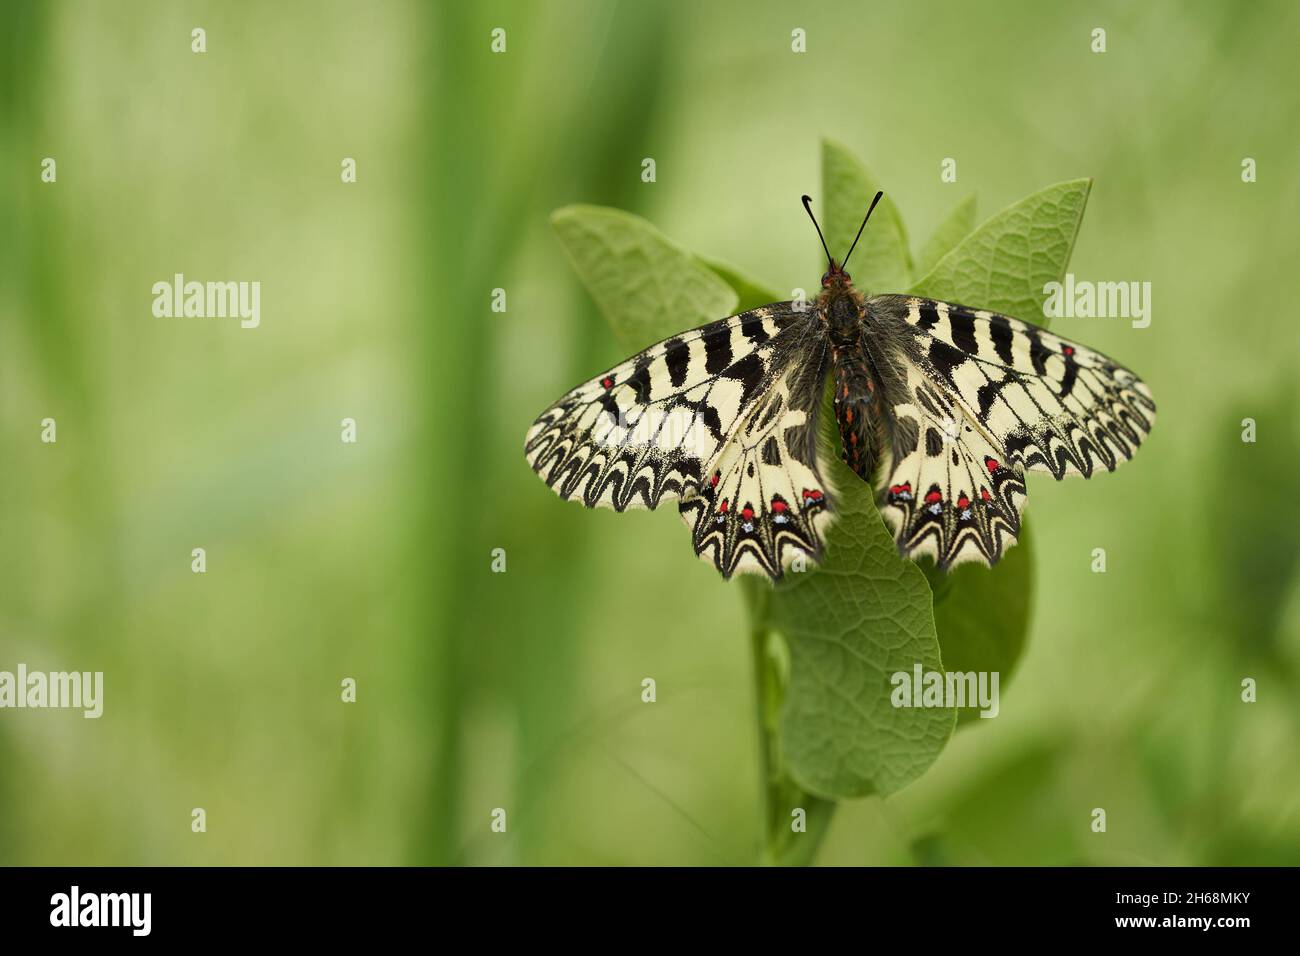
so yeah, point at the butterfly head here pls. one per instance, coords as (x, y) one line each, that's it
(840, 305)
(836, 278)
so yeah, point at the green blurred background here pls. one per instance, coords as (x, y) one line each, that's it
(373, 561)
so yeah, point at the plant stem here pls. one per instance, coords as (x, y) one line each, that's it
(783, 844)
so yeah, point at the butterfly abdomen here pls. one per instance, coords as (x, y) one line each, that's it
(856, 409)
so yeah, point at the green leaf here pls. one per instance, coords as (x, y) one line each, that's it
(860, 617)
(954, 228)
(1004, 264)
(882, 262)
(982, 615)
(647, 286)
(749, 291)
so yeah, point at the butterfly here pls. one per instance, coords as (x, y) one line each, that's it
(943, 408)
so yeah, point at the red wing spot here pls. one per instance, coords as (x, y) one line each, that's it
(963, 502)
(608, 382)
(1068, 349)
(932, 497)
(779, 506)
(984, 495)
(713, 482)
(722, 508)
(747, 513)
(992, 465)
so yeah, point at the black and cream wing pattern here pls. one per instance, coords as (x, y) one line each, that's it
(722, 420)
(944, 408)
(977, 400)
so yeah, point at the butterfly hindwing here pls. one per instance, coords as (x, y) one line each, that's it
(647, 429)
(948, 493)
(765, 502)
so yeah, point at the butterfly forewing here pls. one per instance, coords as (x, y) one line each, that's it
(647, 429)
(1056, 406)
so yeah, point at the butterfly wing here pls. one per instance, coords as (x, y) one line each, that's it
(1055, 405)
(950, 493)
(765, 502)
(648, 429)
(983, 399)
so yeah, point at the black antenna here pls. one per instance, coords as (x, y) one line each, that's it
(860, 228)
(807, 204)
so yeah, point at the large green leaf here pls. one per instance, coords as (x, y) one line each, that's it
(982, 615)
(859, 618)
(1004, 264)
(646, 285)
